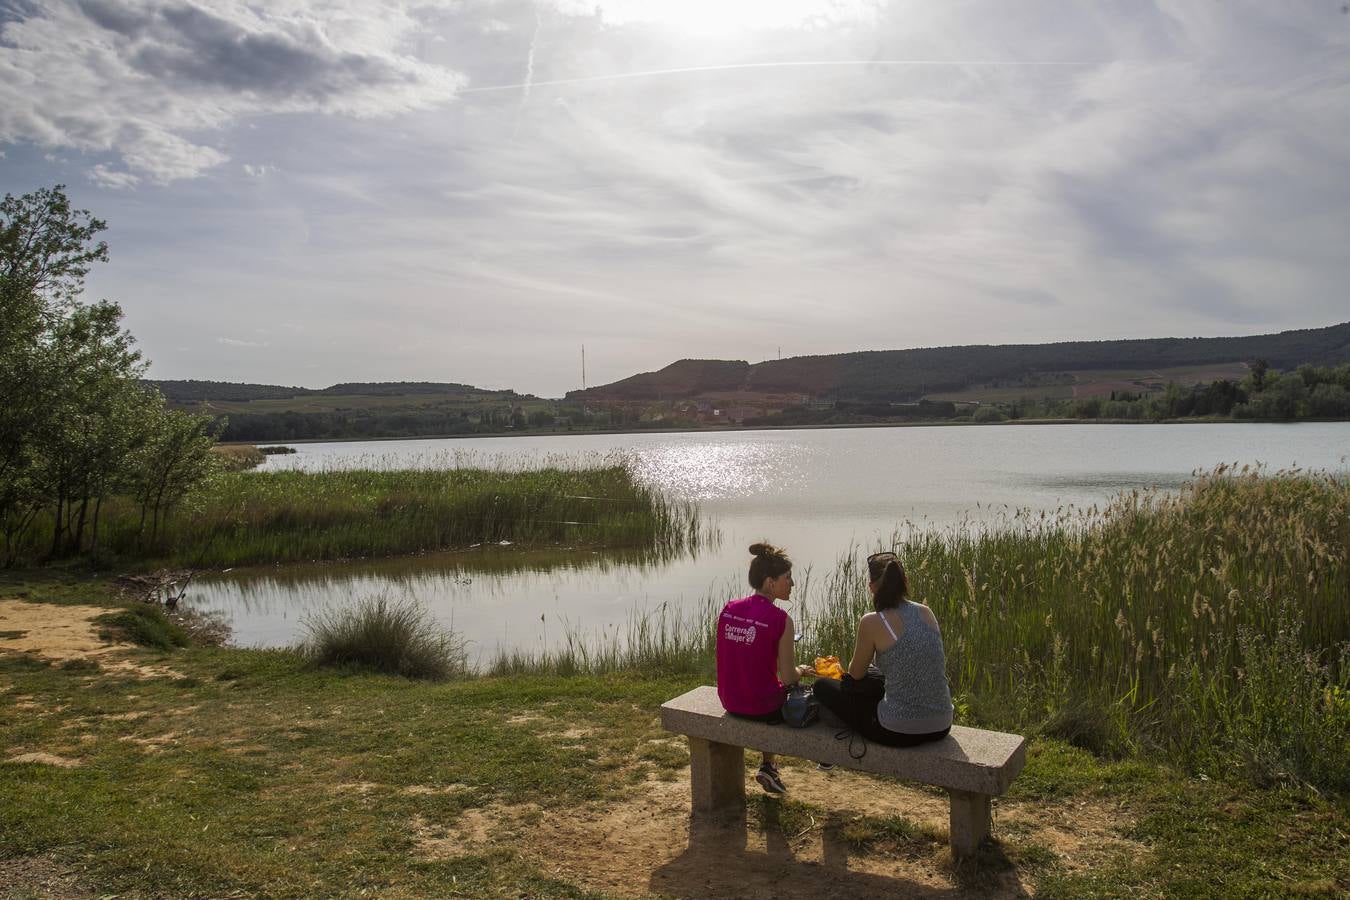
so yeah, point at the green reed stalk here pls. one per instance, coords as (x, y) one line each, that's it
(262, 517)
(1155, 622)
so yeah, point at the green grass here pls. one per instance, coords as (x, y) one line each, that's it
(144, 624)
(241, 518)
(258, 774)
(257, 786)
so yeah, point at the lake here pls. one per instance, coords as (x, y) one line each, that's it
(819, 493)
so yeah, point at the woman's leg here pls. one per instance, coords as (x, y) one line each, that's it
(874, 732)
(854, 708)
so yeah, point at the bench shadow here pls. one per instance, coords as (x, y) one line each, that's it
(719, 862)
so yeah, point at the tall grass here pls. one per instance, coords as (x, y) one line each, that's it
(665, 642)
(263, 517)
(1210, 626)
(397, 637)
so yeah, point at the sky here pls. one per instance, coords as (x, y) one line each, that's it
(307, 192)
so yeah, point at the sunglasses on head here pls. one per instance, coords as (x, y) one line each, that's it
(885, 554)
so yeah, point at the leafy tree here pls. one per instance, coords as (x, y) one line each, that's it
(46, 248)
(97, 413)
(77, 424)
(1329, 401)
(1259, 368)
(174, 455)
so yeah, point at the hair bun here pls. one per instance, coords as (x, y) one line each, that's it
(764, 550)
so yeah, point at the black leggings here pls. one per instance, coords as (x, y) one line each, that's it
(855, 702)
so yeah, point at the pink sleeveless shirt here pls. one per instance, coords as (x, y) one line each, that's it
(748, 631)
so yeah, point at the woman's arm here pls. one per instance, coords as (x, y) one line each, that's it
(788, 673)
(863, 651)
(930, 618)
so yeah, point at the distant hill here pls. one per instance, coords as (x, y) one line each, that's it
(901, 375)
(269, 412)
(195, 391)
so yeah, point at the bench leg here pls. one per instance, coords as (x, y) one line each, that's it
(717, 776)
(969, 821)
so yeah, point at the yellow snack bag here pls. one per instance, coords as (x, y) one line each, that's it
(829, 667)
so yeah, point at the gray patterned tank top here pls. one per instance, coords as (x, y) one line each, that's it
(917, 700)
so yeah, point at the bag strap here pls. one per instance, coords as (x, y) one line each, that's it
(852, 736)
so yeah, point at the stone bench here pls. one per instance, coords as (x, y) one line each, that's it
(972, 764)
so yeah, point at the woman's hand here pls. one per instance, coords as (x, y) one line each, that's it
(805, 670)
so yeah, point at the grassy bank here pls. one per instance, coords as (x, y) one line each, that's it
(1177, 660)
(250, 772)
(1210, 626)
(239, 518)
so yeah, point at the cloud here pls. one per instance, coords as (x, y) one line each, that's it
(232, 342)
(153, 81)
(102, 175)
(900, 174)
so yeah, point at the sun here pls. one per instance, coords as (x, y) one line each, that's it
(717, 18)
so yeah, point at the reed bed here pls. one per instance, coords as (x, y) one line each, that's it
(287, 516)
(1212, 624)
(1209, 626)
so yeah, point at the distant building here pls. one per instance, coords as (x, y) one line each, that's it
(740, 413)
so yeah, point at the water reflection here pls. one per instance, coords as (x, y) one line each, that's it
(501, 598)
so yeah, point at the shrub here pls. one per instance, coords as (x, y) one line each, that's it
(395, 637)
(143, 624)
(1289, 713)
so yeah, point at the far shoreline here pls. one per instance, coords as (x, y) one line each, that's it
(720, 429)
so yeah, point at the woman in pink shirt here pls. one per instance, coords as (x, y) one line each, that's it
(754, 650)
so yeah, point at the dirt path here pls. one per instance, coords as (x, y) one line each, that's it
(53, 632)
(63, 633)
(646, 844)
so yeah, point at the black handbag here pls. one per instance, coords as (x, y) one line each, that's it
(799, 707)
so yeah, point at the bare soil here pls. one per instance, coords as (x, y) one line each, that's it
(41, 877)
(63, 633)
(646, 844)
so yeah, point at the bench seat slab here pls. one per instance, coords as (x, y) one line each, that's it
(968, 761)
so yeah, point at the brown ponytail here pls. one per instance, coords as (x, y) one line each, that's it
(769, 562)
(892, 583)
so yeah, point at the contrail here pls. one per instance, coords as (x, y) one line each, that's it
(838, 63)
(529, 57)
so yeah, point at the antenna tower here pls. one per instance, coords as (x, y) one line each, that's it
(583, 367)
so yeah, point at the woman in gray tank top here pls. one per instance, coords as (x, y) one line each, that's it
(911, 703)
